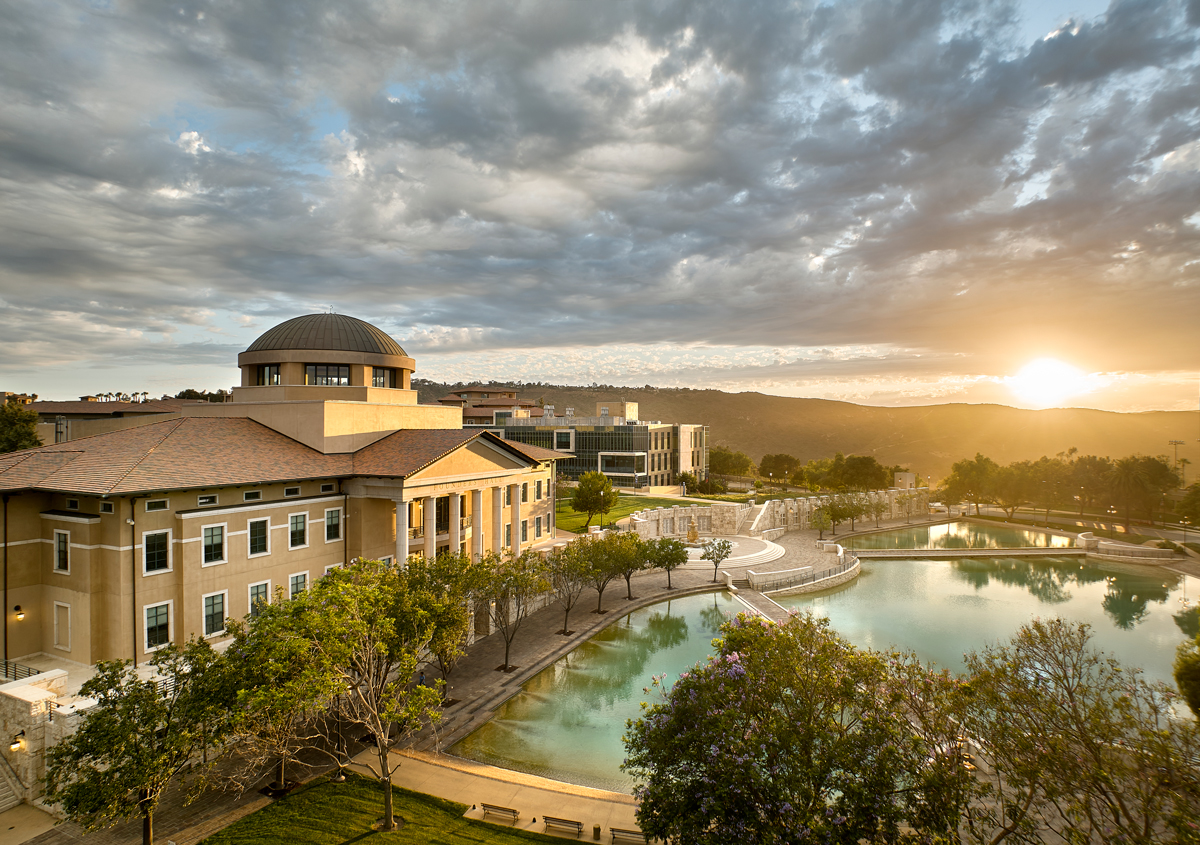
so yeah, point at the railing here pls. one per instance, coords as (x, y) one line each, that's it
(767, 582)
(16, 672)
(1134, 551)
(464, 523)
(416, 532)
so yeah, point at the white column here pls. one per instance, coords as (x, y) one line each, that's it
(497, 519)
(514, 491)
(401, 531)
(476, 527)
(430, 505)
(455, 516)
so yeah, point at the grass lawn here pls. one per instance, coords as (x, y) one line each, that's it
(325, 813)
(568, 520)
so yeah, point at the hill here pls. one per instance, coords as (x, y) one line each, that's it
(927, 439)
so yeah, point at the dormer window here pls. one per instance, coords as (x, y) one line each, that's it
(337, 375)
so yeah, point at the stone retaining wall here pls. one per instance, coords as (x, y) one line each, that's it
(824, 584)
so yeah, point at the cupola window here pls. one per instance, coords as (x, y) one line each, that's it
(383, 377)
(268, 374)
(327, 374)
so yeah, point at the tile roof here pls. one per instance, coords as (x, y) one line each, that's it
(537, 453)
(202, 452)
(155, 406)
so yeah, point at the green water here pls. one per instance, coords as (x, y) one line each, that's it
(943, 608)
(567, 721)
(959, 535)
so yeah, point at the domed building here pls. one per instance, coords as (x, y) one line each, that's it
(121, 542)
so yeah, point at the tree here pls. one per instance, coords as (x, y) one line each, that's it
(1012, 486)
(603, 562)
(513, 582)
(287, 687)
(631, 559)
(141, 736)
(1187, 673)
(1078, 748)
(790, 734)
(594, 495)
(821, 521)
(18, 428)
(971, 481)
(1128, 484)
(717, 551)
(451, 582)
(1189, 507)
(877, 506)
(724, 461)
(567, 572)
(369, 624)
(864, 472)
(779, 466)
(666, 554)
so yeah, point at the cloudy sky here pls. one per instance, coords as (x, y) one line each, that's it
(884, 201)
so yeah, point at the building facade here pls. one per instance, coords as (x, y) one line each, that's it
(118, 543)
(634, 454)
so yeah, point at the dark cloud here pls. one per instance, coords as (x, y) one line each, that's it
(906, 175)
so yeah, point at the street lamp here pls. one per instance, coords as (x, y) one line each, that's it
(1185, 522)
(1081, 502)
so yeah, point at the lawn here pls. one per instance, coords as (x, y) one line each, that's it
(325, 813)
(568, 520)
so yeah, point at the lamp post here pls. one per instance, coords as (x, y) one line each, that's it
(1185, 522)
(1080, 502)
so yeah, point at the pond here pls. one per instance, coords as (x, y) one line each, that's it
(567, 721)
(959, 535)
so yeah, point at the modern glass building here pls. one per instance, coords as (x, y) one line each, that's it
(633, 453)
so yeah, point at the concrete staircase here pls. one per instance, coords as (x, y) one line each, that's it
(8, 796)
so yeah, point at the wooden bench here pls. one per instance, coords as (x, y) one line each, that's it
(497, 810)
(569, 824)
(628, 835)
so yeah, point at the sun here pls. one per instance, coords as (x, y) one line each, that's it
(1048, 382)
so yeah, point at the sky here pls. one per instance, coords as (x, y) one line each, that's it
(890, 202)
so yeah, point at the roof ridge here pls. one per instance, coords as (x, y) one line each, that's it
(432, 460)
(176, 424)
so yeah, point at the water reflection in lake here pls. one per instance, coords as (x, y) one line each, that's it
(567, 721)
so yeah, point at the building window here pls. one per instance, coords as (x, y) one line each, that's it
(268, 374)
(62, 626)
(297, 530)
(157, 505)
(214, 614)
(291, 491)
(206, 501)
(260, 594)
(524, 530)
(107, 507)
(525, 492)
(297, 584)
(383, 377)
(260, 536)
(333, 525)
(72, 504)
(337, 375)
(332, 567)
(326, 488)
(252, 496)
(537, 527)
(62, 551)
(539, 491)
(214, 543)
(562, 441)
(156, 551)
(507, 497)
(507, 534)
(158, 626)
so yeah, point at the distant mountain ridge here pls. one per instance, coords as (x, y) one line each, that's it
(927, 438)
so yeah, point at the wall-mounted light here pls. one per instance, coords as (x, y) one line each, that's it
(16, 743)
(20, 613)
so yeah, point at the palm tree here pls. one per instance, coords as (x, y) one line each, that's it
(1128, 483)
(1183, 465)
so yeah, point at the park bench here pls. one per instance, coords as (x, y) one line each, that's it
(628, 835)
(497, 810)
(570, 824)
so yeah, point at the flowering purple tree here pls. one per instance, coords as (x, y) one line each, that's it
(790, 734)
